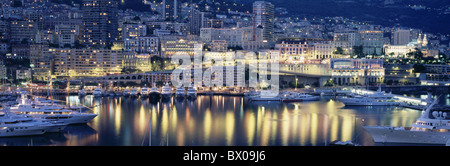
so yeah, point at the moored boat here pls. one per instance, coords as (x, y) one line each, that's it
(431, 128)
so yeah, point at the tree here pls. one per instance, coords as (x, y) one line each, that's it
(358, 51)
(339, 50)
(418, 68)
(416, 54)
(330, 83)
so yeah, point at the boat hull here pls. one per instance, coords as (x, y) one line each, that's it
(256, 99)
(360, 102)
(71, 119)
(301, 99)
(382, 134)
(36, 130)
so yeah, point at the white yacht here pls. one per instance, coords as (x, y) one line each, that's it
(145, 91)
(52, 113)
(22, 118)
(97, 92)
(62, 115)
(166, 91)
(431, 128)
(378, 98)
(11, 126)
(134, 92)
(180, 92)
(126, 92)
(191, 92)
(265, 96)
(154, 92)
(298, 97)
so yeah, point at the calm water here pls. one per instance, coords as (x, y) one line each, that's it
(220, 120)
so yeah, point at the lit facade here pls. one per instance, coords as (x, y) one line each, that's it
(143, 44)
(235, 37)
(264, 16)
(170, 48)
(357, 71)
(82, 62)
(100, 22)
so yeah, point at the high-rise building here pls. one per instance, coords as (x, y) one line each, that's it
(100, 21)
(264, 17)
(371, 41)
(345, 40)
(401, 37)
(246, 37)
(22, 31)
(170, 10)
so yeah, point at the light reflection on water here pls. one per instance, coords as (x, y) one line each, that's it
(220, 120)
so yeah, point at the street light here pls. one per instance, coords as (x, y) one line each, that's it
(296, 80)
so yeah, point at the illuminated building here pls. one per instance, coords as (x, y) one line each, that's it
(170, 10)
(142, 44)
(133, 60)
(401, 37)
(132, 31)
(83, 62)
(345, 40)
(235, 37)
(170, 47)
(100, 22)
(357, 71)
(264, 17)
(22, 30)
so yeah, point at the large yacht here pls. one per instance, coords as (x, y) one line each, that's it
(378, 98)
(154, 93)
(52, 112)
(166, 91)
(180, 92)
(431, 128)
(97, 92)
(191, 92)
(22, 118)
(134, 92)
(266, 96)
(145, 91)
(13, 125)
(298, 97)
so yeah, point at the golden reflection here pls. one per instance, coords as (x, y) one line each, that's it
(347, 127)
(266, 128)
(259, 124)
(142, 122)
(117, 119)
(180, 137)
(304, 128)
(249, 121)
(164, 123)
(295, 126)
(154, 120)
(314, 128)
(285, 127)
(334, 127)
(274, 126)
(207, 126)
(174, 120)
(229, 127)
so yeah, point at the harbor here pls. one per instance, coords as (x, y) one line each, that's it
(130, 117)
